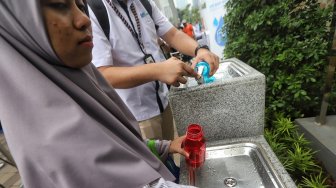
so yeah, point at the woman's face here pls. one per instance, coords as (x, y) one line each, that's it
(69, 30)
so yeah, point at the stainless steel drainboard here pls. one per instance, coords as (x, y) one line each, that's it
(236, 165)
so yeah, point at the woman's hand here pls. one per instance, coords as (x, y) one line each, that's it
(176, 146)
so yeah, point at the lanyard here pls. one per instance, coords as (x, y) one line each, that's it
(136, 35)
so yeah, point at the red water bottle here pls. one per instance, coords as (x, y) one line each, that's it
(194, 144)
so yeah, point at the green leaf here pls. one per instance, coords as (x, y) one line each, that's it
(296, 95)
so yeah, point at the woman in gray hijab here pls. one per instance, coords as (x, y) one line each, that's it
(64, 125)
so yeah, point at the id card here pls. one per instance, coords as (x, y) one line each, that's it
(149, 59)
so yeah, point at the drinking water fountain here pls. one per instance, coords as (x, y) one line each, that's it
(231, 111)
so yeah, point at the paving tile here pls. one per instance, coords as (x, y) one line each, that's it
(8, 168)
(12, 180)
(5, 176)
(18, 182)
(9, 175)
(15, 186)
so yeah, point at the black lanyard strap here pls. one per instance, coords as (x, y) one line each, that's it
(137, 36)
(134, 12)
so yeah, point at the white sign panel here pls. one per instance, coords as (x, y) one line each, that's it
(213, 20)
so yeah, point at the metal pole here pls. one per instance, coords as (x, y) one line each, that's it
(321, 119)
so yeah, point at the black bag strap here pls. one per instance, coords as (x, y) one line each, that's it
(148, 8)
(97, 6)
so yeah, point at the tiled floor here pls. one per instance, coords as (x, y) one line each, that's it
(9, 176)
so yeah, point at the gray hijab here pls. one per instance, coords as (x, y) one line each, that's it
(65, 127)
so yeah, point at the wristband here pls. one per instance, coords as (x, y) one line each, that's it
(151, 146)
(199, 47)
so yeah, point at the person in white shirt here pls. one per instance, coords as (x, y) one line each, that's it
(125, 60)
(198, 31)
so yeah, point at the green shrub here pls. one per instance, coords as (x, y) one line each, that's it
(293, 151)
(287, 41)
(316, 181)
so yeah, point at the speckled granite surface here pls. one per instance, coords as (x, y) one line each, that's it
(227, 108)
(281, 173)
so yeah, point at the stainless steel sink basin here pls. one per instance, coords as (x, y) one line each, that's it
(236, 165)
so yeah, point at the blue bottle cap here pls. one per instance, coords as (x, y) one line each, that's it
(203, 69)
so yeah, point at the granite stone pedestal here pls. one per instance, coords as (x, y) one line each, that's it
(232, 106)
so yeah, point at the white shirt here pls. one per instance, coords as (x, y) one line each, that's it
(122, 50)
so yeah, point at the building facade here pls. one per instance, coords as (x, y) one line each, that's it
(168, 9)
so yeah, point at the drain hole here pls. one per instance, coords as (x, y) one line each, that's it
(230, 182)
